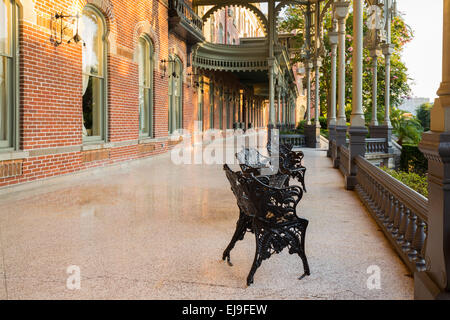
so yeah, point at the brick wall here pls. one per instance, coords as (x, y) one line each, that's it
(51, 90)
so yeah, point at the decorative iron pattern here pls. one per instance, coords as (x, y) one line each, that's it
(270, 213)
(187, 14)
(399, 211)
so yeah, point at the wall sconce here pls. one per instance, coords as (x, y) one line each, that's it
(57, 36)
(163, 68)
(195, 83)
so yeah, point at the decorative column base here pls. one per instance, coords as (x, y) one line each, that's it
(331, 133)
(340, 138)
(435, 282)
(312, 133)
(383, 132)
(357, 147)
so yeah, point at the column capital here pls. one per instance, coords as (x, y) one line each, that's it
(341, 10)
(388, 48)
(334, 38)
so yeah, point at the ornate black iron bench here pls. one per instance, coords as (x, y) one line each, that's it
(269, 213)
(291, 162)
(253, 162)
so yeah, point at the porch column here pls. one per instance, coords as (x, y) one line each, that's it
(333, 36)
(385, 130)
(308, 67)
(278, 104)
(234, 109)
(271, 96)
(313, 131)
(358, 130)
(435, 282)
(374, 56)
(341, 10)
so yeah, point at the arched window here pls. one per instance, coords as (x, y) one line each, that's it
(175, 94)
(221, 33)
(145, 62)
(9, 23)
(93, 33)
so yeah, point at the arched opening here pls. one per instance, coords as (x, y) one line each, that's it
(227, 24)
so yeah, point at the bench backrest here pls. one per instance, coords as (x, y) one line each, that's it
(250, 157)
(239, 186)
(256, 198)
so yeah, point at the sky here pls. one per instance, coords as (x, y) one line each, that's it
(422, 56)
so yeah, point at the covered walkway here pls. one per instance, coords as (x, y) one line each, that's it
(152, 230)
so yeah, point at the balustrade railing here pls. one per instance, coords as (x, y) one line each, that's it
(186, 13)
(376, 145)
(344, 160)
(399, 211)
(297, 140)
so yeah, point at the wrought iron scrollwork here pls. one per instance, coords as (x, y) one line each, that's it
(269, 213)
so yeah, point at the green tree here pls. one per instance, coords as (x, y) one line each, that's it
(424, 115)
(407, 129)
(293, 19)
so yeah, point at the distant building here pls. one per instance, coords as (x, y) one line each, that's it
(411, 104)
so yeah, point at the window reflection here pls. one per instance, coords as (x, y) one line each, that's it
(92, 32)
(145, 65)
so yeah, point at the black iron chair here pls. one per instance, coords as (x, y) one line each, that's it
(269, 213)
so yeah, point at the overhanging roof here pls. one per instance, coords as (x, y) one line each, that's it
(253, 56)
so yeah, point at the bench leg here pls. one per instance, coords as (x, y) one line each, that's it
(258, 258)
(241, 228)
(302, 180)
(302, 255)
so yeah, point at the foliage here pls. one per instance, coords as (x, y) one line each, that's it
(424, 115)
(407, 128)
(415, 181)
(413, 160)
(293, 19)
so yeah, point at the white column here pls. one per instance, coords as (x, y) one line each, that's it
(308, 91)
(278, 104)
(374, 56)
(333, 41)
(271, 96)
(341, 9)
(357, 119)
(317, 65)
(388, 48)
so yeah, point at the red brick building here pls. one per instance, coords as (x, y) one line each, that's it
(106, 82)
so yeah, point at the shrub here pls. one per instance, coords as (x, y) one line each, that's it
(423, 115)
(413, 180)
(413, 160)
(325, 133)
